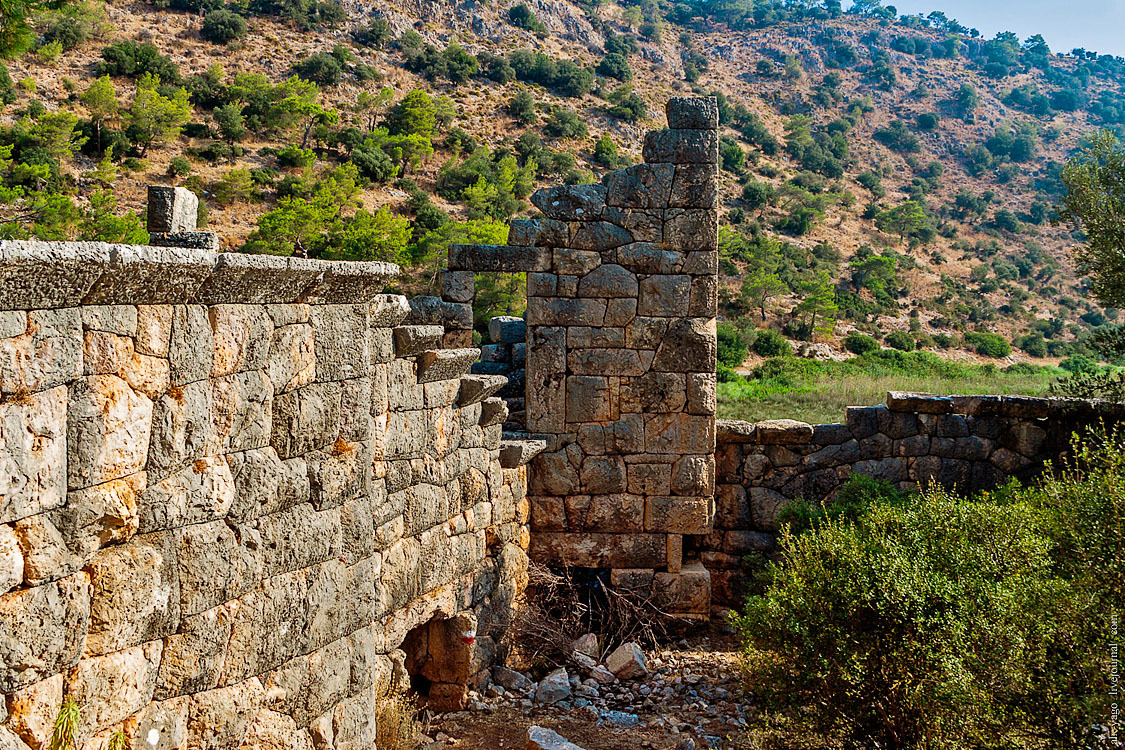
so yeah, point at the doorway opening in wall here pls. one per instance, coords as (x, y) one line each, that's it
(438, 656)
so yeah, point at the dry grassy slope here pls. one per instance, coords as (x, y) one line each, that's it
(272, 47)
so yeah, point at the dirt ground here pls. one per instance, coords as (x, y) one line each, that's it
(711, 658)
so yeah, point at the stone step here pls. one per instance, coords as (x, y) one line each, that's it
(412, 340)
(476, 388)
(515, 453)
(445, 364)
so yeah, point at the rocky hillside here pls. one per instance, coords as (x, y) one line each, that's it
(891, 176)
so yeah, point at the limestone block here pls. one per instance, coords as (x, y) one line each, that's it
(1008, 461)
(507, 329)
(341, 345)
(643, 225)
(162, 725)
(691, 345)
(11, 559)
(493, 412)
(48, 354)
(49, 275)
(220, 719)
(412, 340)
(42, 630)
(649, 479)
(216, 564)
(603, 475)
(891, 469)
(104, 353)
(108, 427)
(192, 659)
(627, 662)
(553, 688)
(692, 112)
(620, 311)
(571, 262)
(595, 550)
(686, 592)
(587, 399)
(898, 425)
(538, 233)
(765, 505)
(171, 209)
(654, 392)
(608, 280)
(516, 453)
(691, 230)
(258, 279)
(305, 419)
(732, 507)
(704, 299)
(476, 388)
(600, 236)
(46, 556)
(445, 364)
(679, 433)
(558, 311)
(612, 362)
(542, 284)
(679, 515)
(242, 335)
(681, 146)
(241, 412)
(338, 475)
(143, 274)
(291, 362)
(498, 258)
(694, 475)
(702, 262)
(32, 454)
(14, 322)
(202, 492)
(191, 347)
(298, 538)
(694, 186)
(640, 186)
(181, 428)
(308, 686)
(136, 593)
(274, 731)
(114, 686)
(154, 329)
(571, 202)
(618, 513)
(458, 286)
(741, 542)
(270, 626)
(1026, 438)
(701, 393)
(33, 711)
(783, 432)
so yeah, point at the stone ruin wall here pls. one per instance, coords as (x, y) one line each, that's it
(622, 288)
(965, 443)
(231, 486)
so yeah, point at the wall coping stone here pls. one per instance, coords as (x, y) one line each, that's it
(36, 275)
(519, 452)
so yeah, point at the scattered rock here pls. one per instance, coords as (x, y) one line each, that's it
(554, 687)
(627, 662)
(588, 645)
(511, 680)
(540, 738)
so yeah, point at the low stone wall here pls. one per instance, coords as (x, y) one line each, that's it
(970, 443)
(230, 487)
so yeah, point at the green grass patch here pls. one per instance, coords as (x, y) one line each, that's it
(819, 392)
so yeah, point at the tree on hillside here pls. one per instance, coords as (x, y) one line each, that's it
(153, 118)
(817, 311)
(101, 102)
(905, 219)
(759, 286)
(1094, 204)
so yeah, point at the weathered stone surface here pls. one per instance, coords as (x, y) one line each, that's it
(445, 364)
(648, 257)
(42, 630)
(515, 453)
(498, 258)
(347, 282)
(11, 559)
(412, 340)
(507, 329)
(139, 274)
(608, 280)
(664, 296)
(691, 230)
(340, 336)
(679, 515)
(681, 146)
(458, 286)
(558, 311)
(258, 279)
(600, 236)
(242, 335)
(571, 202)
(783, 432)
(114, 686)
(627, 662)
(690, 345)
(241, 412)
(202, 492)
(921, 403)
(190, 349)
(538, 233)
(640, 186)
(692, 112)
(305, 419)
(553, 688)
(36, 275)
(33, 454)
(48, 354)
(687, 592)
(171, 209)
(108, 426)
(33, 711)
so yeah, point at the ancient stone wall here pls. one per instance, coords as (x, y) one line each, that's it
(622, 290)
(230, 487)
(968, 443)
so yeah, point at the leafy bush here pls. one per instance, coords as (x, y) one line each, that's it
(320, 68)
(770, 343)
(376, 34)
(989, 344)
(900, 340)
(627, 104)
(179, 166)
(524, 18)
(732, 345)
(222, 27)
(615, 65)
(860, 343)
(7, 88)
(927, 121)
(898, 138)
(565, 123)
(945, 622)
(295, 156)
(134, 59)
(522, 107)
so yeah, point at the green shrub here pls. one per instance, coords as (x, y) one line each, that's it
(942, 622)
(7, 88)
(860, 343)
(376, 34)
(1079, 363)
(770, 343)
(222, 27)
(989, 344)
(179, 166)
(522, 107)
(565, 123)
(732, 345)
(320, 68)
(927, 121)
(615, 65)
(523, 17)
(134, 59)
(627, 104)
(900, 340)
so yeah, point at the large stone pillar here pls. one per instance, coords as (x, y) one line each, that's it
(621, 362)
